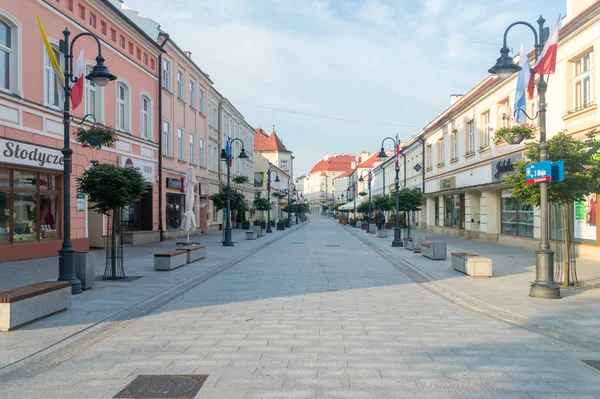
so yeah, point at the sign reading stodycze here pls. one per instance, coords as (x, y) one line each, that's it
(504, 166)
(25, 154)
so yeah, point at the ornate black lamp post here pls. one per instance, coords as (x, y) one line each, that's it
(228, 242)
(296, 207)
(544, 285)
(289, 205)
(361, 179)
(397, 231)
(354, 198)
(269, 197)
(100, 75)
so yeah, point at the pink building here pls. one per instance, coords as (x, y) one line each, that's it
(185, 89)
(31, 120)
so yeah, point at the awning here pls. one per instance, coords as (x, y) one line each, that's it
(350, 205)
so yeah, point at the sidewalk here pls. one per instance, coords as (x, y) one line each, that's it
(506, 294)
(120, 301)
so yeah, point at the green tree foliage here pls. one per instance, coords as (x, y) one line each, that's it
(410, 200)
(238, 201)
(110, 187)
(363, 209)
(386, 203)
(582, 170)
(261, 204)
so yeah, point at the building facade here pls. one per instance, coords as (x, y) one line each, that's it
(318, 184)
(31, 192)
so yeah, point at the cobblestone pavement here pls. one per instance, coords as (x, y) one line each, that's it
(319, 314)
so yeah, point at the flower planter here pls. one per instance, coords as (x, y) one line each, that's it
(94, 140)
(280, 226)
(388, 226)
(344, 222)
(245, 225)
(364, 226)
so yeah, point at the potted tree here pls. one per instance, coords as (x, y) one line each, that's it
(237, 201)
(281, 224)
(363, 209)
(110, 188)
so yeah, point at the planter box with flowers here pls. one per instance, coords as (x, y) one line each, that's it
(240, 179)
(515, 134)
(96, 137)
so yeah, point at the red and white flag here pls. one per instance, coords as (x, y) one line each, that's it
(397, 149)
(77, 87)
(546, 63)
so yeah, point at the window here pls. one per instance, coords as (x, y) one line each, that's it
(29, 206)
(175, 209)
(582, 81)
(51, 91)
(167, 75)
(152, 63)
(145, 59)
(138, 53)
(70, 5)
(93, 20)
(442, 152)
(122, 41)
(192, 93)
(471, 136)
(429, 157)
(192, 149)
(122, 107)
(453, 210)
(130, 47)
(283, 164)
(486, 128)
(168, 139)
(113, 35)
(201, 103)
(81, 10)
(517, 219)
(103, 27)
(202, 156)
(180, 144)
(93, 98)
(437, 212)
(146, 118)
(7, 56)
(454, 149)
(504, 113)
(180, 84)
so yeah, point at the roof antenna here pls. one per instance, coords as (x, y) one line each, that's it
(273, 128)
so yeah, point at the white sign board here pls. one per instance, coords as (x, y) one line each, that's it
(24, 154)
(146, 168)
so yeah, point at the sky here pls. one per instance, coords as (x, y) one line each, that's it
(363, 69)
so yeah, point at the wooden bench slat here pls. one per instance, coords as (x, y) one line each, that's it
(426, 244)
(28, 291)
(171, 253)
(191, 247)
(462, 254)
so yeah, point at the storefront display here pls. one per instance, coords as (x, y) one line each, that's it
(585, 219)
(453, 211)
(517, 219)
(175, 210)
(29, 206)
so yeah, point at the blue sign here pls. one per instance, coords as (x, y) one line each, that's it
(538, 172)
(558, 171)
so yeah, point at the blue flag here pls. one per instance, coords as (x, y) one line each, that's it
(522, 82)
(228, 148)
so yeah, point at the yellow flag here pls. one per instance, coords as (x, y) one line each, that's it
(53, 61)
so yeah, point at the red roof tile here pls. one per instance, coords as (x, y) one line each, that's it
(340, 163)
(346, 173)
(370, 163)
(266, 142)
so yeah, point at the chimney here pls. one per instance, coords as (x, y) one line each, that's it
(188, 54)
(454, 98)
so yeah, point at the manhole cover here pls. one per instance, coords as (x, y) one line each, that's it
(163, 386)
(594, 363)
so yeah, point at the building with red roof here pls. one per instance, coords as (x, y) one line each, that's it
(271, 147)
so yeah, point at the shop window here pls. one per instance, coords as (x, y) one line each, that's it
(517, 219)
(585, 215)
(437, 211)
(29, 206)
(175, 208)
(453, 209)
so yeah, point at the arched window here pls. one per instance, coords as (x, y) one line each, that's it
(123, 111)
(6, 55)
(146, 118)
(10, 58)
(93, 98)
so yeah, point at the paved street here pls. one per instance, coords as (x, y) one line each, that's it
(320, 313)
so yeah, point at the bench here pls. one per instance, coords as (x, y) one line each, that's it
(32, 302)
(170, 260)
(472, 264)
(435, 250)
(251, 235)
(194, 252)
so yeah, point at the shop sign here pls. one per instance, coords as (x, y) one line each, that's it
(146, 168)
(24, 154)
(504, 166)
(174, 183)
(448, 183)
(506, 193)
(80, 201)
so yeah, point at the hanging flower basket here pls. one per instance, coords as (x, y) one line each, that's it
(96, 137)
(240, 179)
(515, 134)
(362, 194)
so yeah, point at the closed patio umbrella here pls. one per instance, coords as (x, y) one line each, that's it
(188, 222)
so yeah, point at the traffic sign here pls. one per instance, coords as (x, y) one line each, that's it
(558, 171)
(538, 172)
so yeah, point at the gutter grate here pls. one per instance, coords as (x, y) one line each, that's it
(163, 386)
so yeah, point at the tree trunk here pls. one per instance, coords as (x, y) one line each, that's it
(113, 244)
(567, 235)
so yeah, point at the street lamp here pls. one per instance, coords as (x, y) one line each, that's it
(361, 179)
(269, 197)
(544, 285)
(296, 207)
(289, 206)
(227, 157)
(100, 75)
(397, 231)
(354, 197)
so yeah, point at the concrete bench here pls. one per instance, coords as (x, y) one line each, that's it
(251, 235)
(170, 260)
(32, 302)
(472, 264)
(435, 250)
(194, 252)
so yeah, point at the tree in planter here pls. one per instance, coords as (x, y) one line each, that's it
(409, 200)
(110, 188)
(582, 177)
(238, 200)
(384, 204)
(262, 205)
(363, 209)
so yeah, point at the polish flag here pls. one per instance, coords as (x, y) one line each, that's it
(546, 63)
(77, 87)
(397, 145)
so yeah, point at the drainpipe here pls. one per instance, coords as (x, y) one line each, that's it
(160, 143)
(422, 140)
